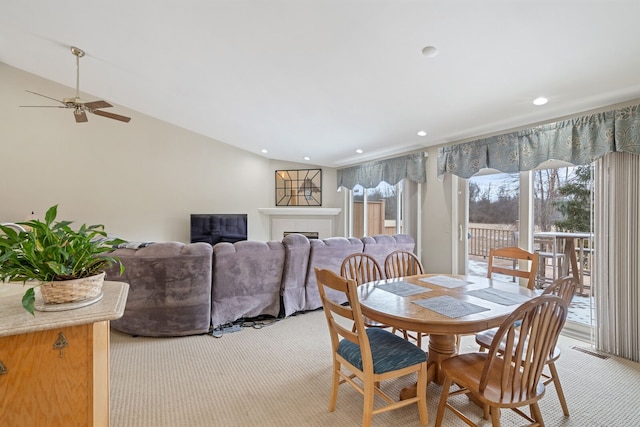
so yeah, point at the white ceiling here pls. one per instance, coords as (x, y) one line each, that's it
(321, 78)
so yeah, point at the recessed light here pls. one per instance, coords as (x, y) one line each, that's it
(264, 151)
(422, 133)
(359, 151)
(429, 51)
(306, 158)
(541, 100)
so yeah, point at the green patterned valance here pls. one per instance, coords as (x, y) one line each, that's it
(391, 171)
(627, 129)
(579, 141)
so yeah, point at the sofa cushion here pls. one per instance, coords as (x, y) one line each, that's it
(381, 245)
(247, 276)
(294, 275)
(327, 254)
(169, 289)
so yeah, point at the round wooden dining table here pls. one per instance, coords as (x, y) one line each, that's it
(426, 303)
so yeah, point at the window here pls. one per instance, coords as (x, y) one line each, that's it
(377, 210)
(493, 216)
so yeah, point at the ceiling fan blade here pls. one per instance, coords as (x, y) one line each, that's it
(45, 96)
(97, 104)
(81, 116)
(81, 108)
(44, 106)
(112, 116)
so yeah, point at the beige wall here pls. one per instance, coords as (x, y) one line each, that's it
(436, 219)
(141, 179)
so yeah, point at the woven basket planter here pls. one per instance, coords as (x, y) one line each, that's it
(66, 291)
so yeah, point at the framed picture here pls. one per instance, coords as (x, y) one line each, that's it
(299, 187)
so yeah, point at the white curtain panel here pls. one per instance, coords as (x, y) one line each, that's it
(617, 254)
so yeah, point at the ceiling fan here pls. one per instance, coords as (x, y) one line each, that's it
(79, 107)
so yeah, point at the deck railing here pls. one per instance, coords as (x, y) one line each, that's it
(481, 240)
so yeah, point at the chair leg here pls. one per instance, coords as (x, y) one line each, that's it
(335, 383)
(446, 385)
(367, 412)
(556, 383)
(495, 416)
(486, 409)
(536, 414)
(422, 394)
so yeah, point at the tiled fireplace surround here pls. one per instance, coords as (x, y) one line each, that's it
(320, 220)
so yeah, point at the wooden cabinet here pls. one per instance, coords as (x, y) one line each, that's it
(55, 365)
(56, 377)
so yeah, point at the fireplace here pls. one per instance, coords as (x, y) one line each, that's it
(307, 234)
(301, 220)
(322, 227)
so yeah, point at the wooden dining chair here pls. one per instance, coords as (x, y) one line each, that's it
(365, 357)
(403, 263)
(513, 254)
(564, 288)
(508, 379)
(362, 268)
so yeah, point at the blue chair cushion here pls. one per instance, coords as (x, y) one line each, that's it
(389, 351)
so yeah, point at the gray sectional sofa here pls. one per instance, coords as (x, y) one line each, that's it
(181, 289)
(246, 280)
(169, 289)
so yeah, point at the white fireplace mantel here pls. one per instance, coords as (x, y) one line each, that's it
(288, 220)
(299, 211)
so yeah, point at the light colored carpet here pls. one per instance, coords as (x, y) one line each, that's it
(279, 375)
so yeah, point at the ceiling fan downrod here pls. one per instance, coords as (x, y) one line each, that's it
(80, 109)
(79, 53)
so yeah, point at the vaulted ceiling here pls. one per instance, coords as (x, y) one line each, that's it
(323, 78)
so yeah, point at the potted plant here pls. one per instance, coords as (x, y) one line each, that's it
(69, 264)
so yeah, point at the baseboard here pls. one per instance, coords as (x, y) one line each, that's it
(578, 331)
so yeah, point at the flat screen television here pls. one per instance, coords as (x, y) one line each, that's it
(215, 228)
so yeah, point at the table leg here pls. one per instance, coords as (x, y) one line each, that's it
(570, 254)
(580, 252)
(441, 347)
(554, 260)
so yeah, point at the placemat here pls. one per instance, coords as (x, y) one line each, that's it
(403, 289)
(450, 306)
(498, 296)
(446, 281)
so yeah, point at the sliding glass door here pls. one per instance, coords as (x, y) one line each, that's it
(546, 211)
(493, 217)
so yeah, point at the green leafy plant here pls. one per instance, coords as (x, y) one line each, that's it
(53, 251)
